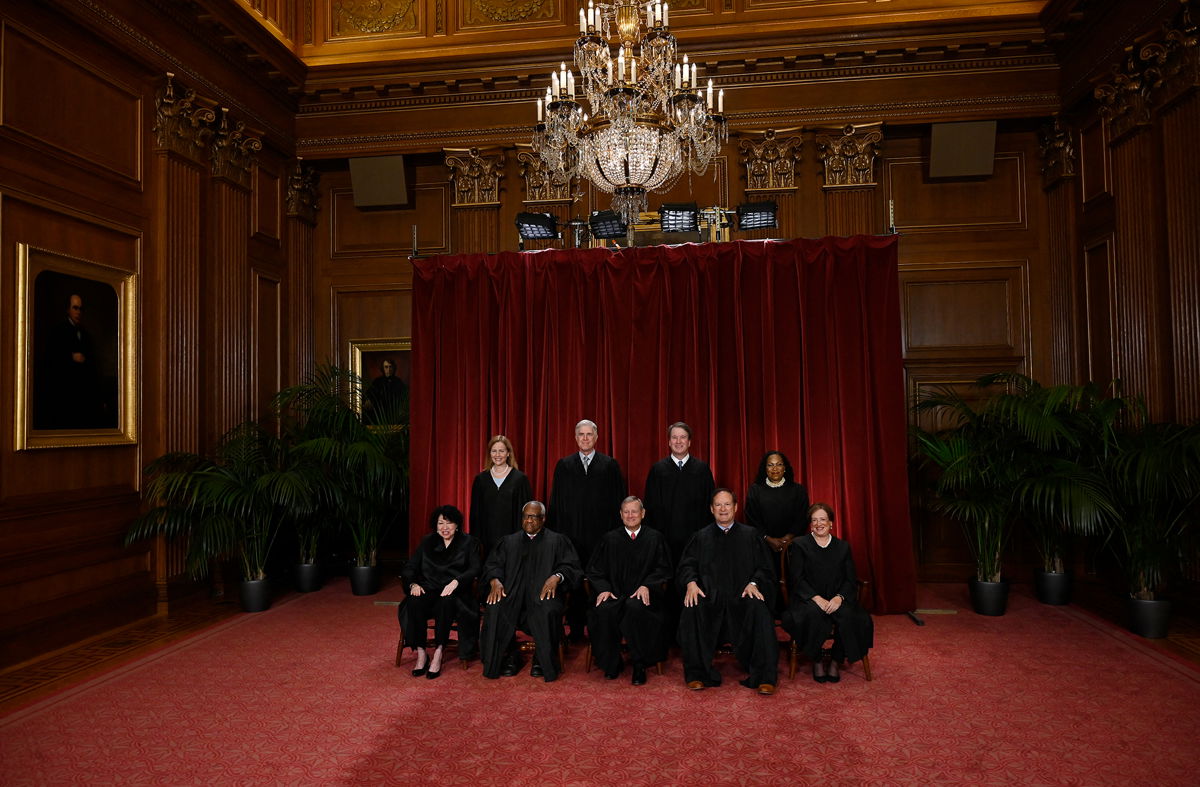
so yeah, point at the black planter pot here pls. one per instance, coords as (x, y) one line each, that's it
(988, 598)
(1149, 619)
(1052, 587)
(308, 577)
(256, 595)
(364, 580)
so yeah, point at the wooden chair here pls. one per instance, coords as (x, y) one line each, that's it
(794, 649)
(429, 632)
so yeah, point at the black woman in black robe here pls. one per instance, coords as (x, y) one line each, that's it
(628, 571)
(528, 574)
(728, 587)
(498, 493)
(825, 592)
(439, 578)
(776, 504)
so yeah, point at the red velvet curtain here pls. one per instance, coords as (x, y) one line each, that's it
(790, 345)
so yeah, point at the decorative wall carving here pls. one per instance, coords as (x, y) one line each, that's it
(1056, 146)
(848, 155)
(1150, 77)
(475, 174)
(539, 186)
(488, 12)
(355, 17)
(770, 160)
(233, 149)
(303, 199)
(181, 120)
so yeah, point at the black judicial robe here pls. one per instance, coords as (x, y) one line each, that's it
(677, 501)
(433, 566)
(826, 571)
(620, 565)
(496, 511)
(523, 564)
(722, 564)
(777, 512)
(583, 506)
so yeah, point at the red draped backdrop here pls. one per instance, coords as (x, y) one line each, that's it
(757, 345)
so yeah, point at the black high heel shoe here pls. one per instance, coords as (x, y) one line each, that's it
(421, 670)
(430, 673)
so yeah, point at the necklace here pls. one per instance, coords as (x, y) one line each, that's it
(503, 473)
(776, 484)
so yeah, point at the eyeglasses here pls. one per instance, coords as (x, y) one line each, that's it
(776, 464)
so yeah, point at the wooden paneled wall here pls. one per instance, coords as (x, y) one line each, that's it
(107, 159)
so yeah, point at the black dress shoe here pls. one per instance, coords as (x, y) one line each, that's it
(431, 674)
(510, 667)
(819, 674)
(639, 676)
(613, 673)
(832, 673)
(536, 671)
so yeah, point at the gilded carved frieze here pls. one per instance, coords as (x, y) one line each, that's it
(479, 13)
(539, 186)
(374, 17)
(182, 120)
(233, 150)
(1056, 146)
(770, 160)
(475, 175)
(1151, 76)
(848, 155)
(302, 198)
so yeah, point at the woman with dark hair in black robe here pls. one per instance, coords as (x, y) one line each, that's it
(439, 577)
(776, 504)
(498, 493)
(824, 593)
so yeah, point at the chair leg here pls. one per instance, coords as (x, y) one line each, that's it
(400, 648)
(659, 667)
(793, 654)
(866, 662)
(587, 659)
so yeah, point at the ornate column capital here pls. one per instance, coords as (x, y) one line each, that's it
(233, 149)
(1173, 64)
(302, 198)
(1056, 146)
(539, 185)
(475, 175)
(182, 120)
(848, 154)
(770, 160)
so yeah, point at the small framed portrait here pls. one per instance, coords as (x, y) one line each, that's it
(76, 352)
(385, 368)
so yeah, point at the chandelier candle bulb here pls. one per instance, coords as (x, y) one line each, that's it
(695, 79)
(721, 101)
(665, 15)
(582, 22)
(571, 85)
(539, 103)
(708, 99)
(633, 71)
(554, 83)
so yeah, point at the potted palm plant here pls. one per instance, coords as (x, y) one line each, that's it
(230, 505)
(362, 466)
(1154, 481)
(976, 455)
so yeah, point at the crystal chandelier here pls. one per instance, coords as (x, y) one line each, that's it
(647, 119)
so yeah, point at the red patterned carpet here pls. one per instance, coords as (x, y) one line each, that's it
(306, 694)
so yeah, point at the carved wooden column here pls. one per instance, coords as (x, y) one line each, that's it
(303, 203)
(228, 283)
(1142, 328)
(771, 162)
(543, 194)
(171, 387)
(475, 213)
(1175, 64)
(1059, 161)
(848, 163)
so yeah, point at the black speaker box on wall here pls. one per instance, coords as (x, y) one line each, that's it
(378, 182)
(962, 150)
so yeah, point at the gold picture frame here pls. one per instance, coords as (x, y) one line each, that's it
(365, 356)
(76, 381)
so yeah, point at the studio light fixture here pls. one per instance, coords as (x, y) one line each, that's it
(646, 120)
(679, 217)
(758, 215)
(607, 224)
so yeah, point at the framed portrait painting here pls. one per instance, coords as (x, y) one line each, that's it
(385, 368)
(76, 352)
